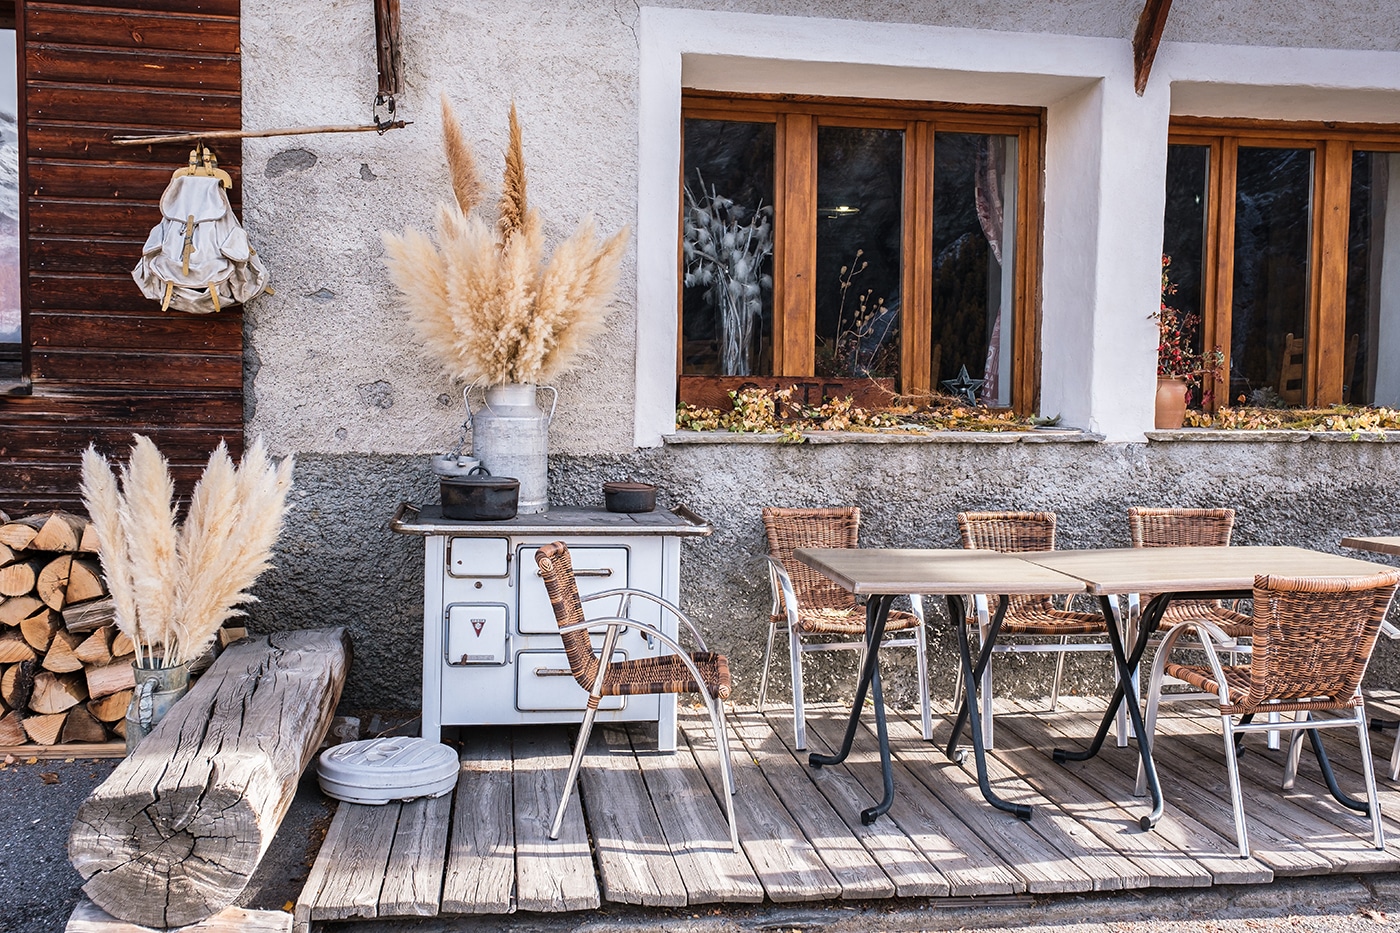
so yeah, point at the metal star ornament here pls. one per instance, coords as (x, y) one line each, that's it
(964, 386)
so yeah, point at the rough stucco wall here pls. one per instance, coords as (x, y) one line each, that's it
(334, 375)
(339, 563)
(332, 367)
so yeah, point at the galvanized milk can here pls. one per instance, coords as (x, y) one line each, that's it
(510, 436)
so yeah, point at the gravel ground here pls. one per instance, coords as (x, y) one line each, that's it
(38, 801)
(37, 804)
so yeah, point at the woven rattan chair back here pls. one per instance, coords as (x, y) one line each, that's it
(1010, 532)
(557, 570)
(1313, 638)
(790, 529)
(1181, 527)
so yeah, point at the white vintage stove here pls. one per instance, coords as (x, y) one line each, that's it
(491, 648)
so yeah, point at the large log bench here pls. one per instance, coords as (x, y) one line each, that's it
(174, 834)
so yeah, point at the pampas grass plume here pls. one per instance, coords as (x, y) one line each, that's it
(461, 163)
(173, 585)
(513, 205)
(485, 300)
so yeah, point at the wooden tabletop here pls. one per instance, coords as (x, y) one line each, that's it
(943, 572)
(1193, 569)
(1381, 545)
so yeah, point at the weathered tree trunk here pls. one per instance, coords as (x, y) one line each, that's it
(174, 834)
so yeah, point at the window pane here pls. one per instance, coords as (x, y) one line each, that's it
(1371, 365)
(860, 194)
(1184, 238)
(1273, 248)
(727, 301)
(974, 250)
(9, 194)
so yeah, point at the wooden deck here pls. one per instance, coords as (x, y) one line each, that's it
(650, 830)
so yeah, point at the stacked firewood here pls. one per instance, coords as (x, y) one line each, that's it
(65, 669)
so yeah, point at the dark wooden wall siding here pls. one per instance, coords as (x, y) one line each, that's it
(104, 361)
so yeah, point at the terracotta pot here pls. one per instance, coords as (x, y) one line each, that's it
(1171, 403)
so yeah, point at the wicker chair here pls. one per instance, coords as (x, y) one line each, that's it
(1312, 640)
(809, 606)
(1027, 616)
(1187, 528)
(701, 672)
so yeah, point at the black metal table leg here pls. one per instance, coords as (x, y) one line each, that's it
(1126, 664)
(1351, 803)
(877, 611)
(970, 711)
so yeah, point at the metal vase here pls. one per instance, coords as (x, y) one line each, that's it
(510, 436)
(157, 689)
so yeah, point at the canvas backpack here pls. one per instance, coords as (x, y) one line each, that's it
(198, 258)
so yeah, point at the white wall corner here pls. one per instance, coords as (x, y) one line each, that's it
(658, 207)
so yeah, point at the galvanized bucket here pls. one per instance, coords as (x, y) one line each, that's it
(510, 436)
(157, 689)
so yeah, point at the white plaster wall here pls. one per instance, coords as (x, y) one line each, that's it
(332, 367)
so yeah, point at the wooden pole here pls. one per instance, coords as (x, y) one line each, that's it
(253, 134)
(1145, 41)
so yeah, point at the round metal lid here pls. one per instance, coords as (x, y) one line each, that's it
(389, 768)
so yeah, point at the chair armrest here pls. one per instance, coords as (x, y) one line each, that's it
(614, 623)
(628, 592)
(1211, 637)
(1389, 630)
(780, 582)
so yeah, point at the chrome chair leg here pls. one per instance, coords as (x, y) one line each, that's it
(726, 769)
(921, 656)
(799, 720)
(1295, 751)
(767, 660)
(583, 730)
(1059, 675)
(1368, 770)
(1236, 801)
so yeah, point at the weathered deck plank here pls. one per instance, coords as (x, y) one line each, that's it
(1340, 835)
(413, 877)
(1199, 844)
(786, 863)
(1085, 851)
(634, 862)
(550, 874)
(853, 867)
(354, 879)
(897, 855)
(968, 866)
(480, 873)
(696, 831)
(1283, 855)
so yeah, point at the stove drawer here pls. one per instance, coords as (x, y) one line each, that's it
(477, 633)
(544, 683)
(595, 568)
(478, 557)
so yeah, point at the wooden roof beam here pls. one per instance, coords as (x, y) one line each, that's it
(1145, 41)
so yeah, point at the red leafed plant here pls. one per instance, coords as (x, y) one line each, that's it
(1177, 331)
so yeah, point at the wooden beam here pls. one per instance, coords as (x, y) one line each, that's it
(1149, 34)
(388, 47)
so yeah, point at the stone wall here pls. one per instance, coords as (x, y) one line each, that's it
(339, 563)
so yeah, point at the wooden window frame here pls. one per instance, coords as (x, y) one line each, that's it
(1333, 145)
(796, 119)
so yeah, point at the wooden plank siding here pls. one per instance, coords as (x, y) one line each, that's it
(104, 361)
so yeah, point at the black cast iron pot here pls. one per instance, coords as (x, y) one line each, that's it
(479, 497)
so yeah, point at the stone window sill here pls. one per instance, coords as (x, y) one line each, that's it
(1222, 436)
(685, 438)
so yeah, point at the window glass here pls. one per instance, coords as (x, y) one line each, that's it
(974, 249)
(1273, 249)
(9, 194)
(727, 300)
(1371, 348)
(1183, 247)
(860, 195)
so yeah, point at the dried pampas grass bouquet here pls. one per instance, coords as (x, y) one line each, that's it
(173, 584)
(483, 297)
